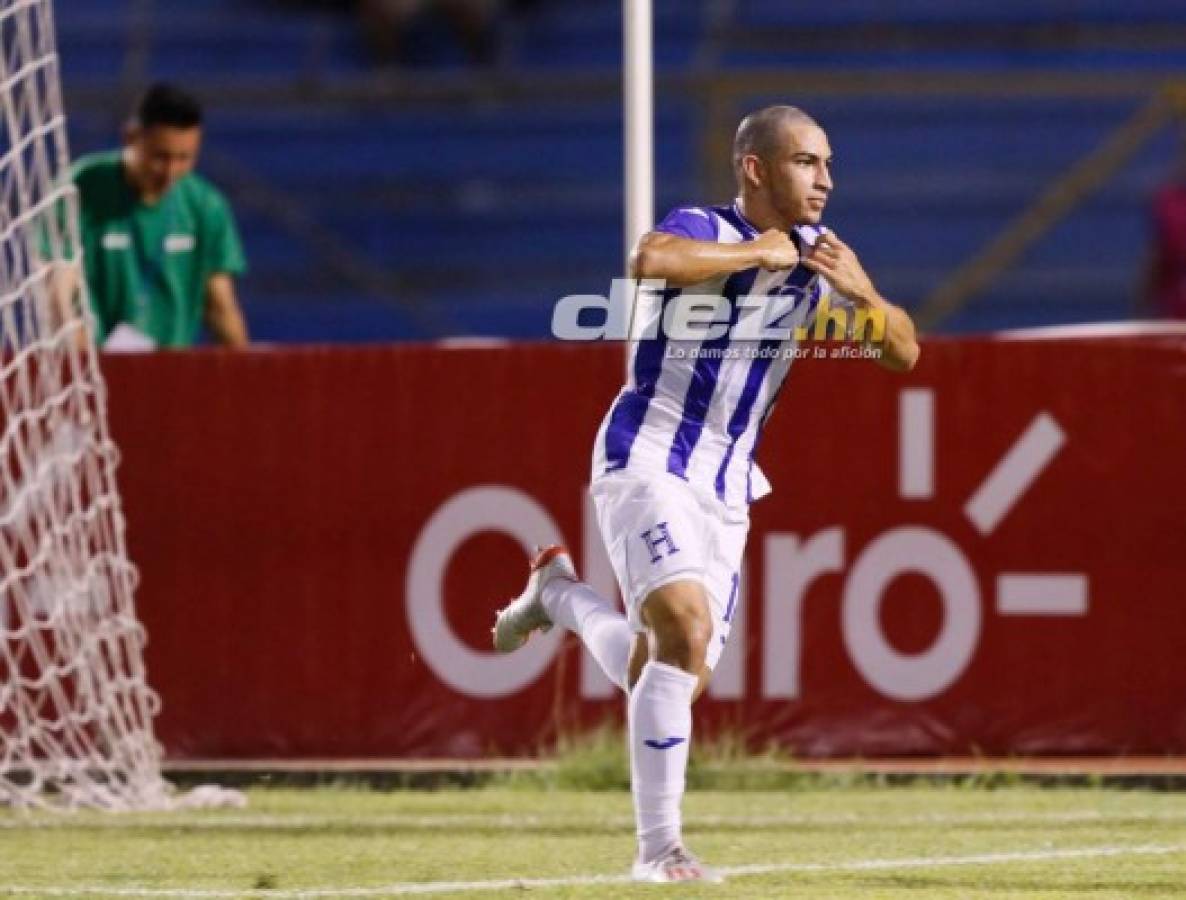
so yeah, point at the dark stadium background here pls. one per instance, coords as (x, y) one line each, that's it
(434, 196)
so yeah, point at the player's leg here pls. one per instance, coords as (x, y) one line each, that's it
(653, 535)
(632, 516)
(640, 653)
(555, 596)
(688, 624)
(679, 627)
(600, 625)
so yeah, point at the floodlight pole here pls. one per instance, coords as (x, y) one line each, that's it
(638, 91)
(639, 134)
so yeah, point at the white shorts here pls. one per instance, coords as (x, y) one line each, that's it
(658, 530)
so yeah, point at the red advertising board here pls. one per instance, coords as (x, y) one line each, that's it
(984, 556)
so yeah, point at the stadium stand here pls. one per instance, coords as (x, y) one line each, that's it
(371, 219)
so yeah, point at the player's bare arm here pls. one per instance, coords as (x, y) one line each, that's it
(836, 261)
(682, 261)
(224, 318)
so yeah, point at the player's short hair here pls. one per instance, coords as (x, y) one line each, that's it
(167, 104)
(759, 132)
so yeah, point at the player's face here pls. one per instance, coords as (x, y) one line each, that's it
(161, 156)
(800, 177)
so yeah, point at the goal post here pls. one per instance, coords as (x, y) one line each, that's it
(76, 710)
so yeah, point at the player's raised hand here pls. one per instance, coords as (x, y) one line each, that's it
(776, 250)
(837, 262)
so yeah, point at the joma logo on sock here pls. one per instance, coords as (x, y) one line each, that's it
(665, 744)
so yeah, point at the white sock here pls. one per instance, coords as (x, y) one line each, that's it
(601, 628)
(660, 731)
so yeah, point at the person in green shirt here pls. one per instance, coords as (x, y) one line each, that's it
(160, 247)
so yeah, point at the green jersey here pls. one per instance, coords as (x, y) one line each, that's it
(149, 265)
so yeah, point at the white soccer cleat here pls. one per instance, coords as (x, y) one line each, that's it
(525, 614)
(677, 864)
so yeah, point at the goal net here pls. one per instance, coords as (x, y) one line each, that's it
(75, 707)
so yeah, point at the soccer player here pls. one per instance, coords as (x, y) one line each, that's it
(673, 464)
(160, 244)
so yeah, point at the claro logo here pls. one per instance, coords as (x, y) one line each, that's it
(792, 563)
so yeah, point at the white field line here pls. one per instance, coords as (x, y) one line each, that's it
(215, 822)
(517, 884)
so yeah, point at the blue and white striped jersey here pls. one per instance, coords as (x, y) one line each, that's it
(696, 410)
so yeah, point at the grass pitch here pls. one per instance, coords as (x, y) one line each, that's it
(847, 842)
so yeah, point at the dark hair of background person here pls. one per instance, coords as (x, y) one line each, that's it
(166, 104)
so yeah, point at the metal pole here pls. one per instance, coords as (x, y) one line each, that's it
(638, 88)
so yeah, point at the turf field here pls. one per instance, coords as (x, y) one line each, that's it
(917, 842)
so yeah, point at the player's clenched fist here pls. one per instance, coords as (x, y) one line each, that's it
(776, 250)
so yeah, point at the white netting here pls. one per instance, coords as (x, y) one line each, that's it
(75, 707)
